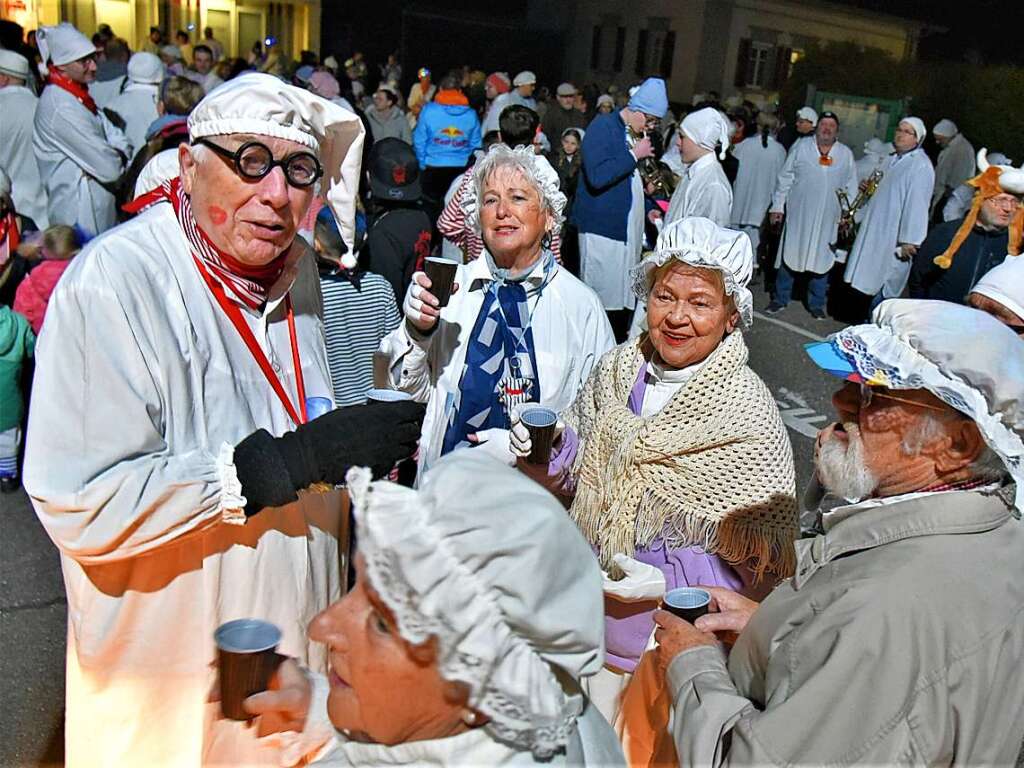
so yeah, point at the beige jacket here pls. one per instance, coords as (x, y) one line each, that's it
(899, 641)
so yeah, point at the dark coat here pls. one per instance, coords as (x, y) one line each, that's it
(980, 252)
(604, 194)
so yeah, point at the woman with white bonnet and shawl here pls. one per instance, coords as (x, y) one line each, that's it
(519, 328)
(465, 639)
(675, 457)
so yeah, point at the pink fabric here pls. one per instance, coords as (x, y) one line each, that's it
(34, 291)
(324, 84)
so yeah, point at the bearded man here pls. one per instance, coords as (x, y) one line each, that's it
(899, 639)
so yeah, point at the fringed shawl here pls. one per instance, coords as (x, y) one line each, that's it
(714, 468)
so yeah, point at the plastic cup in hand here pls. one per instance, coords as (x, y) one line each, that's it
(386, 396)
(247, 657)
(540, 422)
(442, 277)
(688, 603)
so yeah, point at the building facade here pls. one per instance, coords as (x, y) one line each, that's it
(293, 24)
(743, 48)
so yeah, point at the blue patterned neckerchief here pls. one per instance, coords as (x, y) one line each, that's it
(501, 365)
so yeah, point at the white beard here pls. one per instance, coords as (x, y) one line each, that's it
(842, 468)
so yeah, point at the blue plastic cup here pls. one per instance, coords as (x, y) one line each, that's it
(688, 603)
(318, 406)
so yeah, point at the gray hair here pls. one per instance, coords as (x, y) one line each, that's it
(932, 426)
(535, 169)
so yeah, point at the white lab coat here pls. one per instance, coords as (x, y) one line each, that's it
(137, 105)
(959, 203)
(570, 333)
(954, 166)
(704, 191)
(17, 113)
(105, 91)
(897, 214)
(869, 163)
(755, 181)
(142, 389)
(78, 153)
(806, 192)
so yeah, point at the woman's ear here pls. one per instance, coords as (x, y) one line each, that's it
(732, 321)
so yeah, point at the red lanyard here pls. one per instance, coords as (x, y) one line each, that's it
(235, 316)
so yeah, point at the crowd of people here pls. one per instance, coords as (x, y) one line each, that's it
(291, 329)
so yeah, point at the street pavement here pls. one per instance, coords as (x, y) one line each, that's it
(33, 612)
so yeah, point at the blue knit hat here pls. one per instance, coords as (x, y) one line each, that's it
(650, 98)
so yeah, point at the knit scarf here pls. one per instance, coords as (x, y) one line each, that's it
(714, 468)
(249, 284)
(77, 90)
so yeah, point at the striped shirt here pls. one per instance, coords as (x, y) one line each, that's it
(355, 321)
(453, 225)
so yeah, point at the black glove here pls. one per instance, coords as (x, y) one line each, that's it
(378, 435)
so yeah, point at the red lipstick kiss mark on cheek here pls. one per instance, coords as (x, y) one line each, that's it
(218, 215)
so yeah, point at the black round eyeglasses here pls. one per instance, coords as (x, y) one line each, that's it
(254, 160)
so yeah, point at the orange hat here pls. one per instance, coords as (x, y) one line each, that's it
(993, 180)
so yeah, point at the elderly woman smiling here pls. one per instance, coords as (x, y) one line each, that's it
(520, 328)
(466, 636)
(675, 457)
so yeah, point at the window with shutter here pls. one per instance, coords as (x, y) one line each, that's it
(742, 63)
(641, 53)
(668, 50)
(620, 48)
(595, 47)
(782, 68)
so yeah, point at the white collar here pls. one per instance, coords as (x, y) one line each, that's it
(472, 747)
(700, 162)
(480, 271)
(662, 375)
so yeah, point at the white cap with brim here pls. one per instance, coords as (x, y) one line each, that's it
(525, 78)
(806, 113)
(13, 64)
(1005, 284)
(945, 127)
(63, 44)
(145, 68)
(261, 104)
(963, 356)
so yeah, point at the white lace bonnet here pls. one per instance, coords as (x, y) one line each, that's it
(509, 588)
(700, 242)
(963, 356)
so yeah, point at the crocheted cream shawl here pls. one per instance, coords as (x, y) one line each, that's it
(714, 468)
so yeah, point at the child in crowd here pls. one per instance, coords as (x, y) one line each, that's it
(54, 251)
(17, 344)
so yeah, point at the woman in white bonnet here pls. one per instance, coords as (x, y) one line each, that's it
(1000, 292)
(465, 638)
(674, 456)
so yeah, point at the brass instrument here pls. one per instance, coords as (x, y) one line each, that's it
(650, 173)
(848, 226)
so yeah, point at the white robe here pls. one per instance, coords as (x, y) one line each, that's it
(17, 113)
(137, 105)
(142, 388)
(78, 153)
(897, 214)
(704, 191)
(806, 192)
(755, 181)
(105, 91)
(570, 333)
(959, 203)
(869, 163)
(954, 166)
(606, 264)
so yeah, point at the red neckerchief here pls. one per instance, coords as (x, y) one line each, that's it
(77, 90)
(9, 238)
(250, 285)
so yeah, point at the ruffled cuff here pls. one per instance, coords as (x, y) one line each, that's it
(232, 503)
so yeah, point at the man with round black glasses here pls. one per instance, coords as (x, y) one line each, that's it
(176, 428)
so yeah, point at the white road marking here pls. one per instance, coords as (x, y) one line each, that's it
(789, 326)
(797, 415)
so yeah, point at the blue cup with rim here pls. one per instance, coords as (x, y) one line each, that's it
(688, 603)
